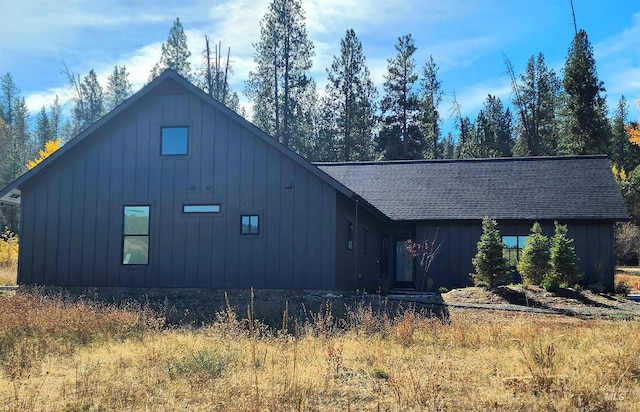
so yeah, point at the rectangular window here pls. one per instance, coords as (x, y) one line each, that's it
(135, 245)
(200, 208)
(349, 234)
(175, 141)
(512, 248)
(249, 225)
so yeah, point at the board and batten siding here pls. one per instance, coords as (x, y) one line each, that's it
(593, 242)
(72, 217)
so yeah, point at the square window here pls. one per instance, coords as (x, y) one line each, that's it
(135, 243)
(175, 141)
(249, 224)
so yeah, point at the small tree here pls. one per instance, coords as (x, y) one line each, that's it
(491, 266)
(534, 261)
(564, 262)
(426, 252)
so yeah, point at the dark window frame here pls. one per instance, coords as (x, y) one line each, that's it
(348, 234)
(185, 206)
(162, 137)
(507, 251)
(250, 217)
(126, 235)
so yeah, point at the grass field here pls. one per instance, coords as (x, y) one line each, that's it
(630, 276)
(63, 354)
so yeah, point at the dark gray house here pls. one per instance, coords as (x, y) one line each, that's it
(172, 189)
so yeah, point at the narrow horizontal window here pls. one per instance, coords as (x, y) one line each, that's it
(249, 224)
(200, 208)
(135, 239)
(174, 141)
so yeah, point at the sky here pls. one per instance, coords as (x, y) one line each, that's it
(468, 40)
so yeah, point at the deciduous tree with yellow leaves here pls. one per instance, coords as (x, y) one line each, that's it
(49, 147)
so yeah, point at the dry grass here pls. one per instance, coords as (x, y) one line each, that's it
(629, 276)
(94, 357)
(8, 275)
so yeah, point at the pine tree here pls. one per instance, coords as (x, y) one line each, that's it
(118, 88)
(215, 76)
(175, 54)
(534, 262)
(491, 266)
(89, 102)
(400, 136)
(493, 129)
(55, 119)
(279, 85)
(351, 100)
(430, 99)
(564, 262)
(585, 126)
(537, 99)
(43, 128)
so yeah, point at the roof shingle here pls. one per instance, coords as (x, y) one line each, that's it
(543, 188)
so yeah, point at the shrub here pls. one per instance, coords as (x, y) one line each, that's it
(534, 261)
(8, 249)
(491, 267)
(442, 290)
(627, 243)
(564, 261)
(550, 282)
(622, 289)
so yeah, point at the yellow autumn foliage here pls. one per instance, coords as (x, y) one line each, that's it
(49, 147)
(633, 131)
(619, 174)
(8, 249)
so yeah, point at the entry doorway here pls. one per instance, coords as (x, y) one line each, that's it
(404, 274)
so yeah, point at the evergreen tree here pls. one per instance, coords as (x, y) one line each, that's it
(118, 88)
(175, 54)
(493, 129)
(536, 98)
(400, 136)
(491, 266)
(351, 100)
(279, 87)
(564, 262)
(430, 99)
(534, 262)
(89, 101)
(55, 119)
(215, 76)
(623, 153)
(43, 128)
(585, 126)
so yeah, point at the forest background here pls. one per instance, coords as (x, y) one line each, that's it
(549, 111)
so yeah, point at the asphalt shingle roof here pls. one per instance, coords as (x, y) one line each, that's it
(563, 188)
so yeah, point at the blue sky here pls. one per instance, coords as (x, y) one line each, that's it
(467, 38)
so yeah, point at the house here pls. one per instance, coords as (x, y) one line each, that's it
(172, 189)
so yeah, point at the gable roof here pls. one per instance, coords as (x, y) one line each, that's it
(12, 193)
(543, 188)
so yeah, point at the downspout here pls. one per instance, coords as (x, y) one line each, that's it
(355, 248)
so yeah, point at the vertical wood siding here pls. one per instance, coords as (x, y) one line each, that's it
(72, 217)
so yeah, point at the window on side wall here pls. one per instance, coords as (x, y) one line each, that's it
(349, 234)
(512, 248)
(249, 225)
(135, 239)
(174, 141)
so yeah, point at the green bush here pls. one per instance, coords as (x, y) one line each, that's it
(491, 266)
(622, 289)
(442, 290)
(564, 261)
(534, 261)
(550, 283)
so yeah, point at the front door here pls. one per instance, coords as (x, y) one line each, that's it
(404, 270)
